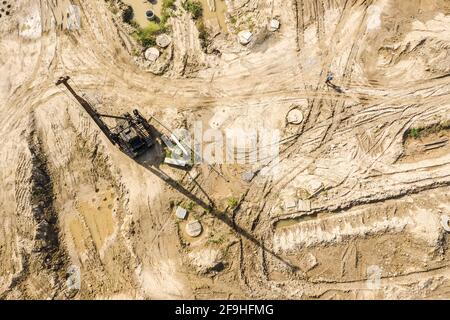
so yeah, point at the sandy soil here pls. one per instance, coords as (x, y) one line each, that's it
(72, 201)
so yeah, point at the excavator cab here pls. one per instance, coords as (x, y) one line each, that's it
(133, 133)
(134, 139)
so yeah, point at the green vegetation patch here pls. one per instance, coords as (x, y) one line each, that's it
(414, 132)
(194, 7)
(202, 33)
(147, 36)
(418, 132)
(232, 202)
(165, 10)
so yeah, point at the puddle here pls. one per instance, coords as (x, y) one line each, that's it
(215, 17)
(140, 7)
(95, 221)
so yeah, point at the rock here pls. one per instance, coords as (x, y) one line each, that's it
(314, 186)
(245, 37)
(308, 263)
(304, 205)
(207, 260)
(273, 25)
(181, 213)
(248, 176)
(290, 204)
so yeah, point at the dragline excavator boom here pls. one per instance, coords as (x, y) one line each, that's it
(133, 134)
(94, 115)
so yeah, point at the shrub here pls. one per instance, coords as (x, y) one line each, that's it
(165, 13)
(134, 24)
(127, 14)
(194, 7)
(153, 28)
(147, 36)
(190, 205)
(232, 202)
(414, 132)
(168, 153)
(202, 33)
(168, 4)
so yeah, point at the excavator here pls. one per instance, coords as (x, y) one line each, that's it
(132, 134)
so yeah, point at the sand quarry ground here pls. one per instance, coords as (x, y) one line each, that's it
(71, 203)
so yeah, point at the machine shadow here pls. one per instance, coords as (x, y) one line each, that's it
(149, 163)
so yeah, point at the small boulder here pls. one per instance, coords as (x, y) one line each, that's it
(273, 25)
(181, 213)
(245, 37)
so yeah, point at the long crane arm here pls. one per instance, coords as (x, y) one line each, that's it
(89, 109)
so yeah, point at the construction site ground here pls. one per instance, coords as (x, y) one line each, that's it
(371, 158)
